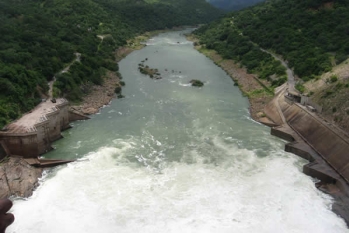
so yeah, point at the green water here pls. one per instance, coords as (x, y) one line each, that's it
(174, 158)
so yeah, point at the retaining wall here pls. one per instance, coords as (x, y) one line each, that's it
(33, 144)
(75, 116)
(25, 145)
(3, 150)
(323, 139)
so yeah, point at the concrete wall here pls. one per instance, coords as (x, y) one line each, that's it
(31, 145)
(3, 150)
(299, 149)
(318, 171)
(54, 126)
(43, 140)
(74, 116)
(64, 115)
(25, 145)
(50, 130)
(272, 112)
(328, 143)
(281, 133)
(307, 101)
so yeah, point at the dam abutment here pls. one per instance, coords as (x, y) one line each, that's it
(32, 135)
(321, 143)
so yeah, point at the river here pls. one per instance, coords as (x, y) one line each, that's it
(174, 158)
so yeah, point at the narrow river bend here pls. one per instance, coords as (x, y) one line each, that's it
(175, 158)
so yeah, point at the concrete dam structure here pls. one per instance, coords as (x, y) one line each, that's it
(295, 122)
(324, 139)
(325, 146)
(32, 134)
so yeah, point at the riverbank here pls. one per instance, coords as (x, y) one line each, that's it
(98, 96)
(20, 179)
(249, 85)
(164, 127)
(101, 95)
(305, 135)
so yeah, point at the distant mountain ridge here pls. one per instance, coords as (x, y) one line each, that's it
(233, 5)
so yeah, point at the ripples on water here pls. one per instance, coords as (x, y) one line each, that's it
(169, 158)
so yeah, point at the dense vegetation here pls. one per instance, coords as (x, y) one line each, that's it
(228, 40)
(40, 38)
(233, 5)
(312, 35)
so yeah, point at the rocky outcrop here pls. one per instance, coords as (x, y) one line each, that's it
(196, 83)
(18, 178)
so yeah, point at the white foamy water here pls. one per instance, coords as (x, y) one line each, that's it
(242, 193)
(169, 158)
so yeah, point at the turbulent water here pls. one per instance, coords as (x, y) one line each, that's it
(175, 158)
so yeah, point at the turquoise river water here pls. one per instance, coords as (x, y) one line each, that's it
(174, 158)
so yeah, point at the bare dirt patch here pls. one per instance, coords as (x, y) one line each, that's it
(331, 91)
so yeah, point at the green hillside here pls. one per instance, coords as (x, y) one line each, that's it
(311, 35)
(39, 38)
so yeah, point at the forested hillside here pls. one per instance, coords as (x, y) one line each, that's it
(311, 35)
(233, 5)
(39, 38)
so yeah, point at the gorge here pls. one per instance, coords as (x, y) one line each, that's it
(177, 158)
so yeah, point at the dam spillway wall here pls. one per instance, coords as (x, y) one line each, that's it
(34, 140)
(64, 116)
(21, 144)
(324, 139)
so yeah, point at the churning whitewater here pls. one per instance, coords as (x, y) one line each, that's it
(175, 158)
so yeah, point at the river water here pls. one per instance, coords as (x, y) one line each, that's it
(174, 158)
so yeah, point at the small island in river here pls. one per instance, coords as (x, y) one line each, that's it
(151, 72)
(196, 83)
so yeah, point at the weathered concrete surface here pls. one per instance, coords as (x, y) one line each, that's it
(28, 121)
(3, 151)
(44, 163)
(76, 116)
(18, 178)
(32, 134)
(327, 142)
(272, 111)
(323, 145)
(283, 133)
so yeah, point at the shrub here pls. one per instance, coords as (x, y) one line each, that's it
(327, 94)
(118, 90)
(300, 87)
(339, 85)
(196, 83)
(333, 78)
(279, 82)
